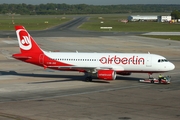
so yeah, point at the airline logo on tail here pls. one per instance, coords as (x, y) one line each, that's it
(24, 39)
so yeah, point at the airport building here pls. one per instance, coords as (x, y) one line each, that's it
(164, 18)
(149, 18)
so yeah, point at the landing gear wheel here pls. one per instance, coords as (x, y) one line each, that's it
(88, 79)
(152, 81)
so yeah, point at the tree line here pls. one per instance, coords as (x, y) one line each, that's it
(58, 9)
(175, 14)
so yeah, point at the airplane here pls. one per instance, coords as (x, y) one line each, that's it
(105, 65)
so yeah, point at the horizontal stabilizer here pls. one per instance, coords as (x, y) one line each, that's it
(20, 56)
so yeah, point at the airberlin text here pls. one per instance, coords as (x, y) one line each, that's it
(122, 60)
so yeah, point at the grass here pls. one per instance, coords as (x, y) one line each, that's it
(94, 24)
(39, 22)
(31, 22)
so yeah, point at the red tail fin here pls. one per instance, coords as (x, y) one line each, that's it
(26, 42)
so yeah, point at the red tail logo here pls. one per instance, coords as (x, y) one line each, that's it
(24, 39)
(26, 42)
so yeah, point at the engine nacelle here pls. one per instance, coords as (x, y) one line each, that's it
(106, 74)
(124, 73)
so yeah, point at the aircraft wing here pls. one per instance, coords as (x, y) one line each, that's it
(88, 68)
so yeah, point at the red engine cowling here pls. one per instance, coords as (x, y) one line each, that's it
(124, 73)
(106, 74)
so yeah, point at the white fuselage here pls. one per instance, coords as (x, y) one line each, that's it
(133, 62)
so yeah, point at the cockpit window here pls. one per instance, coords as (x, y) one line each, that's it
(162, 60)
(166, 60)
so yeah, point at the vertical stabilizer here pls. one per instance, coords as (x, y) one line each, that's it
(26, 42)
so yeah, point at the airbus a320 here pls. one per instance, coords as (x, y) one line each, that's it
(105, 65)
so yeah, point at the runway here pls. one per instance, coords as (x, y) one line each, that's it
(32, 93)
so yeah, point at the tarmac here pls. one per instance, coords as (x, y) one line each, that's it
(163, 33)
(29, 92)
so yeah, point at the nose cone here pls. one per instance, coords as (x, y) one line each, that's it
(171, 66)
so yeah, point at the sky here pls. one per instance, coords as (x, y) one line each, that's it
(92, 2)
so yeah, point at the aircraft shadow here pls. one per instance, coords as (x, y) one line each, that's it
(128, 78)
(68, 77)
(34, 75)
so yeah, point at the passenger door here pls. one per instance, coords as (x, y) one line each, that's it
(149, 61)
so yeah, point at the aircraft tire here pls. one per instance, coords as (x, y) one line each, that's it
(88, 79)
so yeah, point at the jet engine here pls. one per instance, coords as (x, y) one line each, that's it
(106, 75)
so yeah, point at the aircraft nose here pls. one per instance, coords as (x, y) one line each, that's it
(171, 66)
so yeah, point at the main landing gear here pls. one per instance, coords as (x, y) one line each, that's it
(88, 77)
